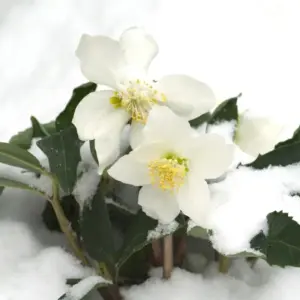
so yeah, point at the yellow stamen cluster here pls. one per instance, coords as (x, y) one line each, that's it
(137, 99)
(168, 172)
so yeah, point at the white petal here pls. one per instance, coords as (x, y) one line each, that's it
(193, 198)
(157, 202)
(147, 152)
(128, 170)
(164, 125)
(257, 135)
(136, 134)
(150, 213)
(114, 121)
(187, 96)
(211, 155)
(90, 112)
(100, 58)
(139, 48)
(107, 149)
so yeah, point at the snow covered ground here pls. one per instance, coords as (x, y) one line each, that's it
(247, 46)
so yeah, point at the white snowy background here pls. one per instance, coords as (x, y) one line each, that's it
(248, 46)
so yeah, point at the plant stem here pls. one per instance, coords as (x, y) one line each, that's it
(168, 256)
(157, 253)
(180, 251)
(64, 222)
(224, 263)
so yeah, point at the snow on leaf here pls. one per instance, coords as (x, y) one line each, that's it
(86, 186)
(82, 288)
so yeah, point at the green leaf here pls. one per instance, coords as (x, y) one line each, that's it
(294, 139)
(96, 230)
(64, 119)
(38, 130)
(245, 254)
(93, 151)
(120, 217)
(125, 194)
(282, 156)
(281, 245)
(71, 210)
(63, 152)
(225, 112)
(136, 269)
(200, 120)
(199, 232)
(24, 138)
(81, 290)
(136, 237)
(5, 182)
(15, 156)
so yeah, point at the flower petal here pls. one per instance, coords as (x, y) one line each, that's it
(89, 113)
(211, 155)
(164, 125)
(139, 48)
(128, 170)
(100, 59)
(107, 149)
(257, 135)
(147, 152)
(158, 203)
(193, 198)
(136, 134)
(114, 121)
(187, 96)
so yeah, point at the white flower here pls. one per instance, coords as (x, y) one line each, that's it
(122, 67)
(256, 134)
(171, 165)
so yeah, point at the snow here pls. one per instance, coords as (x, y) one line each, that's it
(86, 186)
(162, 230)
(259, 283)
(225, 129)
(241, 202)
(38, 70)
(28, 269)
(80, 289)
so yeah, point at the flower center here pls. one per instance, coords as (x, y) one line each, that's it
(137, 98)
(168, 172)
